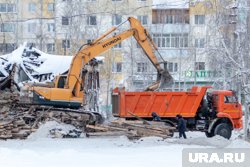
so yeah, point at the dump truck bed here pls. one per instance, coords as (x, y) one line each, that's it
(165, 104)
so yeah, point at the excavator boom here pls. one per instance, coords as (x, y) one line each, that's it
(71, 92)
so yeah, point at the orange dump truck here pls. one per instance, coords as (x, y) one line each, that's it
(215, 113)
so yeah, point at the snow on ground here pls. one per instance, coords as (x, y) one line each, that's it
(43, 131)
(40, 151)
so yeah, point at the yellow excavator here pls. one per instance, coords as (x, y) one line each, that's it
(68, 91)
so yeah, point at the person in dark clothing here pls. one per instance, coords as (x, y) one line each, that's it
(155, 116)
(181, 126)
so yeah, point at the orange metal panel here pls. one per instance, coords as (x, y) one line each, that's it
(165, 104)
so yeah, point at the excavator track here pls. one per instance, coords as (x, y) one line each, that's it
(94, 117)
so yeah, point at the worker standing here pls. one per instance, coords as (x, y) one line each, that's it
(181, 126)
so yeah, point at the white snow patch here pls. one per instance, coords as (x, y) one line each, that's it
(217, 141)
(110, 152)
(43, 130)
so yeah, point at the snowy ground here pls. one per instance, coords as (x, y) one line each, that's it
(41, 151)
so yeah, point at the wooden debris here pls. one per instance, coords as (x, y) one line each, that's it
(131, 129)
(18, 122)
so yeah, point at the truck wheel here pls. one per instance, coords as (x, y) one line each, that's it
(209, 134)
(223, 130)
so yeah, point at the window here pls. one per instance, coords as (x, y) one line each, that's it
(169, 19)
(7, 7)
(230, 99)
(116, 0)
(142, 67)
(117, 67)
(143, 19)
(174, 40)
(11, 7)
(65, 20)
(32, 27)
(172, 67)
(3, 7)
(199, 42)
(8, 27)
(51, 27)
(116, 19)
(91, 0)
(171, 40)
(119, 45)
(91, 20)
(32, 7)
(199, 19)
(170, 16)
(50, 47)
(51, 7)
(199, 65)
(65, 43)
(184, 40)
(7, 47)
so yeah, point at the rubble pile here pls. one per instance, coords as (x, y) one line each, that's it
(18, 122)
(12, 123)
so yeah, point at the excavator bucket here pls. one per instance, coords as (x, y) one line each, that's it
(166, 80)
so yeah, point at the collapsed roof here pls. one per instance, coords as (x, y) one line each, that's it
(31, 65)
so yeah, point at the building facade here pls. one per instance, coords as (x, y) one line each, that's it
(9, 25)
(186, 33)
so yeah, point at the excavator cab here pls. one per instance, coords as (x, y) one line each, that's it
(60, 81)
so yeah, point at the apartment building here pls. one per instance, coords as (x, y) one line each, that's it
(9, 25)
(187, 34)
(30, 21)
(37, 24)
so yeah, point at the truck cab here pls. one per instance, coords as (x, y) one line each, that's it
(227, 113)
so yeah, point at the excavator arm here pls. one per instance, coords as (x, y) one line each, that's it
(71, 91)
(100, 45)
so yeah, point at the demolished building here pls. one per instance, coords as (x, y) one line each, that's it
(28, 64)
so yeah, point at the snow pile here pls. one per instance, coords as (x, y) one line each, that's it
(44, 130)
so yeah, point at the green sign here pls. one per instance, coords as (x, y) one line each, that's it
(200, 74)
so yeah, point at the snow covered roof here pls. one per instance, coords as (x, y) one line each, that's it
(170, 4)
(33, 63)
